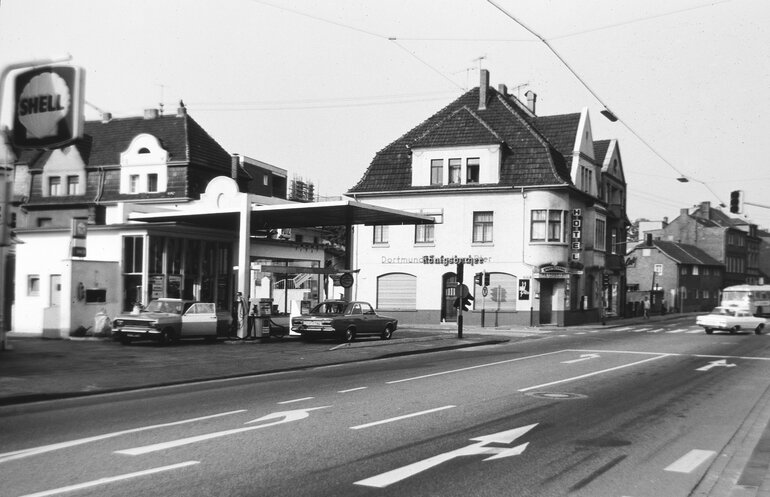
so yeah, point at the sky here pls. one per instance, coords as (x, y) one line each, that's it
(318, 87)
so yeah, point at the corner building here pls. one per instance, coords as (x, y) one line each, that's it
(532, 201)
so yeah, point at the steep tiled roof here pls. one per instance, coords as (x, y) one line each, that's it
(529, 156)
(686, 254)
(600, 150)
(181, 136)
(561, 131)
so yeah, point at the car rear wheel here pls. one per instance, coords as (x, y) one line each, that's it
(350, 335)
(734, 329)
(758, 329)
(709, 331)
(387, 332)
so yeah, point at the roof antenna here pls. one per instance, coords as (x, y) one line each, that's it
(160, 105)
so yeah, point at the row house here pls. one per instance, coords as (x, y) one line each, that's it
(675, 276)
(733, 242)
(533, 202)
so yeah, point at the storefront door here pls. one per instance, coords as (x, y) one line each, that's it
(546, 301)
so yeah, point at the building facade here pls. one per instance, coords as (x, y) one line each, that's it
(531, 201)
(675, 276)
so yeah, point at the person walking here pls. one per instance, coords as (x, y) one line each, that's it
(646, 307)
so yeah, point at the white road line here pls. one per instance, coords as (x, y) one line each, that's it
(699, 330)
(656, 330)
(678, 330)
(625, 328)
(690, 461)
(474, 367)
(399, 418)
(352, 390)
(639, 330)
(593, 374)
(296, 400)
(111, 479)
(10, 456)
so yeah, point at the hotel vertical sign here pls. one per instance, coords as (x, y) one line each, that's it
(576, 247)
(48, 110)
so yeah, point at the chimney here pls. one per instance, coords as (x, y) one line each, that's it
(665, 221)
(531, 100)
(150, 113)
(181, 111)
(684, 212)
(106, 117)
(502, 89)
(235, 162)
(483, 86)
(704, 211)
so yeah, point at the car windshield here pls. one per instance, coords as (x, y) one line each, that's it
(163, 306)
(329, 308)
(722, 311)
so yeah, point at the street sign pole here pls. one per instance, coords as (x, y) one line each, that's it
(4, 203)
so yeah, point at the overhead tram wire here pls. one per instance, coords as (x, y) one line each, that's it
(607, 111)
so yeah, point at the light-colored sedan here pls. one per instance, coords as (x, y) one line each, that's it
(732, 320)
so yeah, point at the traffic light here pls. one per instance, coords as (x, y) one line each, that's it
(605, 279)
(486, 278)
(478, 279)
(736, 201)
(464, 298)
(460, 271)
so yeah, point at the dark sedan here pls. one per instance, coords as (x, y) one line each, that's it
(344, 321)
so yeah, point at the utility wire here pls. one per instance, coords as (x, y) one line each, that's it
(611, 115)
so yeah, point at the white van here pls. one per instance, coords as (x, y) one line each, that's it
(752, 298)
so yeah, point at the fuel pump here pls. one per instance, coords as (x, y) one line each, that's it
(262, 321)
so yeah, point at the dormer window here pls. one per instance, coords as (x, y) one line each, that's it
(143, 166)
(456, 166)
(54, 186)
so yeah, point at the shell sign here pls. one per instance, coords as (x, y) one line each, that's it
(48, 107)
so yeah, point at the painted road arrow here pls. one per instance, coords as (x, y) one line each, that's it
(583, 357)
(279, 417)
(716, 364)
(479, 448)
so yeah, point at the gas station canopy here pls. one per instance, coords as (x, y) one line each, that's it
(290, 215)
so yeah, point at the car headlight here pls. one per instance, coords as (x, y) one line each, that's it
(118, 322)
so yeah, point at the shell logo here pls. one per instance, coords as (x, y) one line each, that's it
(49, 107)
(44, 101)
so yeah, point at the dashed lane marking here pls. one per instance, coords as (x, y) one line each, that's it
(399, 418)
(690, 461)
(678, 330)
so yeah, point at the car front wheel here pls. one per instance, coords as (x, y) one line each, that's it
(387, 332)
(709, 331)
(758, 329)
(350, 335)
(734, 330)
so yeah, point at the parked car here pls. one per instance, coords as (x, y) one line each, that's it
(344, 321)
(167, 320)
(730, 319)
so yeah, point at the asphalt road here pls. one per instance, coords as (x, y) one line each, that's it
(637, 411)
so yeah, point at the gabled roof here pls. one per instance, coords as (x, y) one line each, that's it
(685, 254)
(102, 143)
(600, 150)
(530, 156)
